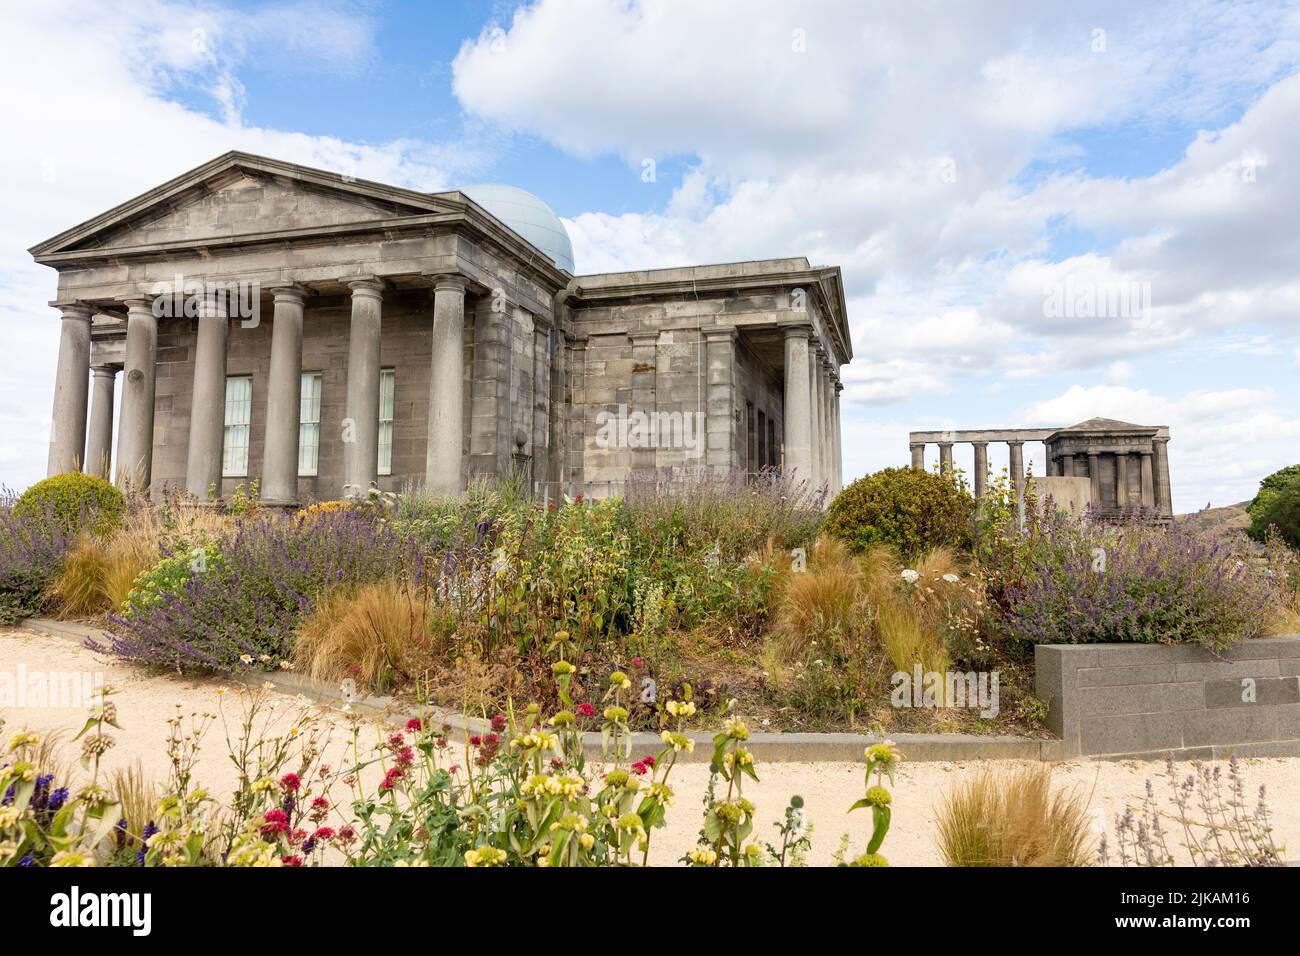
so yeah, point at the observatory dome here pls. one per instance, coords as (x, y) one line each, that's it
(527, 215)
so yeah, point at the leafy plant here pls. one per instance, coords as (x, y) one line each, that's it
(74, 500)
(909, 509)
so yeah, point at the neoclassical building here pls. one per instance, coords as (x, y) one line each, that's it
(265, 321)
(1127, 465)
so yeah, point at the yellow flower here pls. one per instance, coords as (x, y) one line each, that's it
(71, 858)
(681, 708)
(703, 856)
(485, 856)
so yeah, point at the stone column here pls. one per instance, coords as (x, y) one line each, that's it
(541, 400)
(918, 455)
(135, 428)
(945, 457)
(828, 426)
(1148, 482)
(815, 414)
(1016, 465)
(1067, 466)
(443, 466)
(556, 464)
(1121, 480)
(645, 375)
(361, 409)
(1163, 491)
(208, 401)
(797, 413)
(1094, 477)
(981, 467)
(99, 440)
(71, 385)
(720, 399)
(284, 398)
(839, 441)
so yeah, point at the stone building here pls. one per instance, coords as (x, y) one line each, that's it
(1127, 465)
(313, 331)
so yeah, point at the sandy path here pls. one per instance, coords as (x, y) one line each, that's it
(146, 702)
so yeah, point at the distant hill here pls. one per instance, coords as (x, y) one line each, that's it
(1229, 521)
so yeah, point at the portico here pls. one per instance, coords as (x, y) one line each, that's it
(314, 333)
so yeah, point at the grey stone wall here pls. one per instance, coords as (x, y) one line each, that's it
(1150, 699)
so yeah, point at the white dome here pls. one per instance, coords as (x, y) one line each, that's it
(527, 215)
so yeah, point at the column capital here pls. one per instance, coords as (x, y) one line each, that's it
(364, 285)
(106, 368)
(796, 330)
(980, 444)
(720, 332)
(137, 301)
(839, 386)
(74, 309)
(290, 292)
(448, 282)
(1162, 440)
(1016, 443)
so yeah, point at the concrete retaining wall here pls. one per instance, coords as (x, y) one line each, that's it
(1150, 699)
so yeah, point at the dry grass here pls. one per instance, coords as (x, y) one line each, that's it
(375, 634)
(1011, 817)
(98, 573)
(138, 795)
(822, 604)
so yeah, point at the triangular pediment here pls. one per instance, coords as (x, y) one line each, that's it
(240, 194)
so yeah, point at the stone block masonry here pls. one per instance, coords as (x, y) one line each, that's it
(1144, 700)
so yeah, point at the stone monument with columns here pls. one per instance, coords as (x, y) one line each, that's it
(315, 332)
(1127, 465)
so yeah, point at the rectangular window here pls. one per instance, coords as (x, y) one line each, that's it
(309, 424)
(387, 383)
(239, 414)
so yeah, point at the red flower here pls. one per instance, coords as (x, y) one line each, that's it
(274, 822)
(414, 726)
(320, 803)
(585, 710)
(297, 836)
(475, 741)
(322, 833)
(290, 783)
(637, 662)
(498, 723)
(347, 834)
(405, 757)
(291, 860)
(391, 778)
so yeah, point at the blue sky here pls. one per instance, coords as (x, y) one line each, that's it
(958, 161)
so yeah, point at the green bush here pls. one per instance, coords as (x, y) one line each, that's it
(909, 509)
(1271, 486)
(170, 576)
(1280, 509)
(73, 501)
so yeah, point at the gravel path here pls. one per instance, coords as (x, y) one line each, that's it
(145, 703)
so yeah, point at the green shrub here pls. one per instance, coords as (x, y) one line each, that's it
(170, 576)
(1271, 486)
(1280, 509)
(911, 510)
(73, 500)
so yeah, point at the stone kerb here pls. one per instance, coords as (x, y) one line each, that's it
(1151, 699)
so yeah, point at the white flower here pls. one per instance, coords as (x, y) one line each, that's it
(951, 578)
(910, 576)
